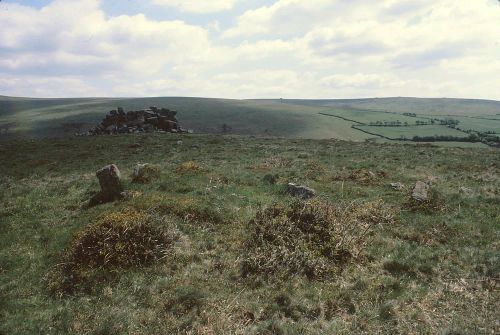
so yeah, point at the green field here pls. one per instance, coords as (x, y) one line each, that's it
(434, 106)
(366, 116)
(478, 124)
(411, 131)
(244, 258)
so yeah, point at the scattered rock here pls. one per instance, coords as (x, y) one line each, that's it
(139, 171)
(397, 186)
(302, 192)
(111, 187)
(420, 191)
(144, 173)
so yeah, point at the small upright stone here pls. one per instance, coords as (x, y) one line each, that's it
(301, 192)
(111, 187)
(420, 191)
(397, 186)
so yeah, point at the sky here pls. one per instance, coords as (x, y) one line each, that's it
(250, 48)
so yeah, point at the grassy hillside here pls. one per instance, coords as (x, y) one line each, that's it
(311, 119)
(433, 106)
(410, 131)
(59, 117)
(211, 244)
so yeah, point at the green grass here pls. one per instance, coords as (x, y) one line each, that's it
(478, 124)
(287, 118)
(433, 106)
(366, 116)
(423, 273)
(64, 117)
(411, 131)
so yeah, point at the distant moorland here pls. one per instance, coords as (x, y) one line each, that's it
(459, 122)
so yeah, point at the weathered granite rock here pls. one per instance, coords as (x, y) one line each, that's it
(111, 187)
(420, 191)
(301, 192)
(397, 186)
(146, 120)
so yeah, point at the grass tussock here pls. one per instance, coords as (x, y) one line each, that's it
(366, 177)
(312, 238)
(117, 240)
(314, 170)
(189, 208)
(188, 167)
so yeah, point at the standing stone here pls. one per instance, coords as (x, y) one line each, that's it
(111, 187)
(420, 191)
(302, 192)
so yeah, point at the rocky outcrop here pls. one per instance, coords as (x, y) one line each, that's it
(111, 187)
(147, 120)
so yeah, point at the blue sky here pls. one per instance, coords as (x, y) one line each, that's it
(250, 48)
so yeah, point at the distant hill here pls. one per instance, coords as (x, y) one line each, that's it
(63, 117)
(282, 118)
(434, 106)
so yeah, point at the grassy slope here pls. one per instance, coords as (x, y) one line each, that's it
(55, 117)
(434, 106)
(427, 274)
(409, 132)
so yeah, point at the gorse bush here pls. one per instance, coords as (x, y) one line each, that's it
(309, 238)
(114, 241)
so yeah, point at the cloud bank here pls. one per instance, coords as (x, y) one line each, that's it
(285, 48)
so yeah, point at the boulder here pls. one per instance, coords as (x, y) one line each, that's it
(397, 186)
(139, 172)
(420, 191)
(111, 187)
(298, 191)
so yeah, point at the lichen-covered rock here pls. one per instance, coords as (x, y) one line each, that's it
(144, 173)
(420, 191)
(397, 186)
(301, 192)
(111, 187)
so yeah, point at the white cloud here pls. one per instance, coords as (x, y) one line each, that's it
(291, 48)
(197, 6)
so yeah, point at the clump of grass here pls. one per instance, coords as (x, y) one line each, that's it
(146, 174)
(314, 170)
(117, 240)
(309, 238)
(188, 208)
(185, 300)
(187, 167)
(365, 176)
(191, 209)
(434, 203)
(270, 178)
